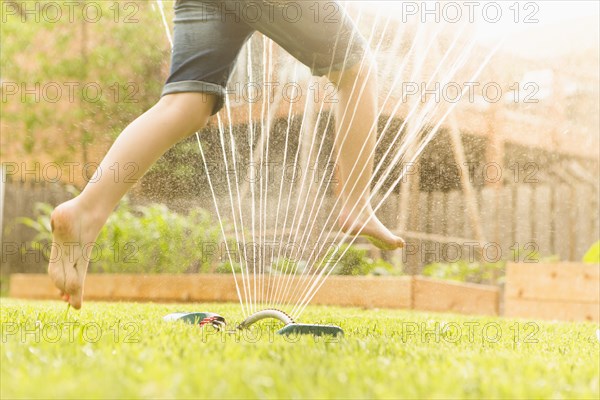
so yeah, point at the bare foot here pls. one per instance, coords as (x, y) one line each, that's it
(373, 230)
(73, 237)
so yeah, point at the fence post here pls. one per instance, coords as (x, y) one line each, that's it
(2, 190)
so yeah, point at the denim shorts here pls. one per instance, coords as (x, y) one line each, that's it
(209, 35)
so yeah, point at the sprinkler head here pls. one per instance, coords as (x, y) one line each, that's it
(197, 318)
(291, 327)
(268, 313)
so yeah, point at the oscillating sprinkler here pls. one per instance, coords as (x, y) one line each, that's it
(291, 327)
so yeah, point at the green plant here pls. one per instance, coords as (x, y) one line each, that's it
(484, 272)
(99, 90)
(349, 260)
(592, 256)
(382, 267)
(464, 271)
(527, 254)
(288, 266)
(40, 224)
(225, 268)
(149, 238)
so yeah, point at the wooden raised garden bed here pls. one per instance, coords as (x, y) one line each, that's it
(369, 292)
(562, 291)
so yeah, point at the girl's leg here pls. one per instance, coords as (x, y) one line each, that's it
(77, 222)
(357, 129)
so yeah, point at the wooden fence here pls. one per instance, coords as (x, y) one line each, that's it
(540, 220)
(19, 201)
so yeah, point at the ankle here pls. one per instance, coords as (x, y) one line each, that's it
(90, 213)
(357, 208)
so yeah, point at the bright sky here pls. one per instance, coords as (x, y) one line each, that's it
(512, 18)
(550, 12)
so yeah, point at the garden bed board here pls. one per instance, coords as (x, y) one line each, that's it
(561, 291)
(403, 292)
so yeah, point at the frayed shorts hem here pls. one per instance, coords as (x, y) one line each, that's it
(197, 87)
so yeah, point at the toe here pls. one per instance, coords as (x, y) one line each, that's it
(400, 243)
(75, 300)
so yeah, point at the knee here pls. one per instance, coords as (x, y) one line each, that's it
(364, 71)
(192, 110)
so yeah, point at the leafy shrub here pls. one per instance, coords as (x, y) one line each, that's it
(350, 260)
(382, 267)
(485, 272)
(288, 266)
(225, 268)
(525, 254)
(127, 87)
(154, 239)
(139, 239)
(40, 224)
(463, 271)
(592, 256)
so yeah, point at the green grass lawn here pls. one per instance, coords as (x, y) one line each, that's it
(125, 350)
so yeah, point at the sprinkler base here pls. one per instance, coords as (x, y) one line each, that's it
(311, 329)
(268, 313)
